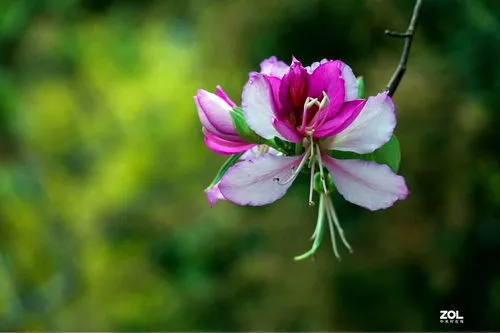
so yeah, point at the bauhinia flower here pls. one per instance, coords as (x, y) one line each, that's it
(214, 111)
(316, 109)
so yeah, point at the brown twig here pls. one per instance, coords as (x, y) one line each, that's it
(408, 36)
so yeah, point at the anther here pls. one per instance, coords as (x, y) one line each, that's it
(324, 101)
(310, 102)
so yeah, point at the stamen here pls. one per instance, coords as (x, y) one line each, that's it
(324, 101)
(318, 232)
(296, 172)
(324, 115)
(322, 174)
(310, 102)
(331, 227)
(320, 117)
(311, 185)
(337, 224)
(307, 106)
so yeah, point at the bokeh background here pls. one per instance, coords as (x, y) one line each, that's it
(103, 220)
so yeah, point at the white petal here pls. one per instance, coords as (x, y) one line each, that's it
(367, 184)
(258, 105)
(351, 84)
(370, 130)
(272, 66)
(259, 181)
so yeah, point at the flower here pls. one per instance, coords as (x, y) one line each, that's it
(214, 111)
(317, 108)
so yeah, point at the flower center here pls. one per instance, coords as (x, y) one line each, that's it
(313, 115)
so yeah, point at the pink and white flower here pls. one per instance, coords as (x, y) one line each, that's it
(313, 110)
(214, 111)
(315, 107)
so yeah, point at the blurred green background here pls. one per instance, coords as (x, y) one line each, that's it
(103, 221)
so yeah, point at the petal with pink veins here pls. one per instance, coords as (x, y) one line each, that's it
(258, 106)
(367, 184)
(216, 110)
(204, 120)
(259, 181)
(273, 67)
(370, 130)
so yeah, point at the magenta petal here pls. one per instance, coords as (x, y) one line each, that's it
(367, 184)
(257, 101)
(216, 110)
(347, 114)
(327, 78)
(226, 147)
(222, 94)
(228, 137)
(213, 194)
(293, 90)
(372, 128)
(259, 181)
(273, 67)
(289, 133)
(275, 84)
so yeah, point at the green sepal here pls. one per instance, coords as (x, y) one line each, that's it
(361, 86)
(389, 154)
(319, 231)
(244, 131)
(223, 169)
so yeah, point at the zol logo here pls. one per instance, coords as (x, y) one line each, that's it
(451, 317)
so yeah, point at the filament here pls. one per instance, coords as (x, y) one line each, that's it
(337, 224)
(295, 173)
(311, 184)
(321, 169)
(307, 106)
(331, 227)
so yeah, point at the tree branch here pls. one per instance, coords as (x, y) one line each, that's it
(408, 36)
